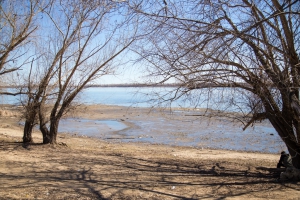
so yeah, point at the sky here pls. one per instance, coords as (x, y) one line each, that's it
(127, 70)
(129, 75)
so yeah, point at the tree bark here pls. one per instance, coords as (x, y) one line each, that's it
(45, 133)
(283, 125)
(53, 130)
(43, 125)
(295, 157)
(27, 136)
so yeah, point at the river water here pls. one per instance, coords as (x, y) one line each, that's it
(151, 96)
(223, 135)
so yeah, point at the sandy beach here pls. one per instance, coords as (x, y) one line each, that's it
(82, 167)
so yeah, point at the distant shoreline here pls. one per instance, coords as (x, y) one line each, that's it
(114, 85)
(191, 87)
(133, 85)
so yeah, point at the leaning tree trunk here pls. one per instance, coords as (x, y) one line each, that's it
(284, 128)
(27, 135)
(295, 152)
(295, 157)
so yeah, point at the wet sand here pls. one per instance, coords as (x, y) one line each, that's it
(178, 127)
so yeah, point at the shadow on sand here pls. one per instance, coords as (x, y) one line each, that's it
(60, 173)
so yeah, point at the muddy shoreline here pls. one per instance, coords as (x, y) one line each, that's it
(83, 168)
(177, 128)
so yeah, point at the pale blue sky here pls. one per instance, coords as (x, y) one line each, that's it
(129, 75)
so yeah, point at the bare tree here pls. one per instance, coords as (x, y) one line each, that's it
(83, 41)
(249, 46)
(17, 20)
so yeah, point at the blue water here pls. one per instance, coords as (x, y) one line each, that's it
(153, 97)
(121, 96)
(262, 138)
(220, 135)
(89, 127)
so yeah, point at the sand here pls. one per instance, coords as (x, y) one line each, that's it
(82, 167)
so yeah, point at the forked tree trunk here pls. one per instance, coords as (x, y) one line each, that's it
(43, 127)
(49, 136)
(27, 135)
(45, 133)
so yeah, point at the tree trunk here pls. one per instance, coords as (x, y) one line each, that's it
(43, 126)
(45, 133)
(27, 135)
(283, 126)
(295, 157)
(49, 137)
(53, 130)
